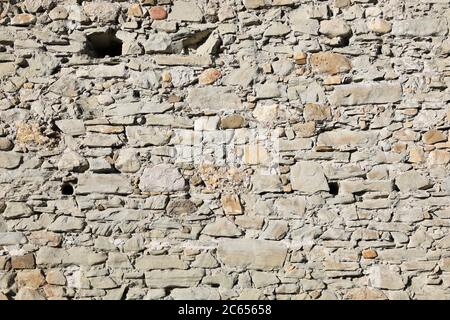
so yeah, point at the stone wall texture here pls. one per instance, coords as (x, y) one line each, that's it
(232, 149)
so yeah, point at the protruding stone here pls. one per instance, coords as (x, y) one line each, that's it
(214, 99)
(183, 60)
(157, 42)
(434, 136)
(72, 161)
(277, 30)
(420, 27)
(73, 127)
(150, 262)
(12, 238)
(411, 181)
(25, 261)
(252, 254)
(16, 210)
(209, 76)
(161, 178)
(366, 293)
(32, 279)
(157, 13)
(379, 26)
(384, 277)
(231, 204)
(23, 19)
(439, 157)
(266, 183)
(186, 11)
(5, 144)
(308, 177)
(335, 28)
(58, 13)
(222, 227)
(315, 112)
(342, 137)
(256, 154)
(367, 93)
(275, 230)
(329, 62)
(127, 161)
(10, 160)
(369, 254)
(103, 183)
(254, 4)
(102, 11)
(173, 278)
(232, 121)
(140, 136)
(67, 224)
(300, 57)
(135, 10)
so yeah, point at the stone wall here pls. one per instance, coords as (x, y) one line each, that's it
(251, 149)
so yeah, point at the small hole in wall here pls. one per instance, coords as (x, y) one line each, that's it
(136, 94)
(334, 188)
(67, 189)
(102, 44)
(395, 188)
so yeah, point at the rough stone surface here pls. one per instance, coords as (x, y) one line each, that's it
(252, 254)
(239, 149)
(411, 181)
(371, 93)
(214, 99)
(383, 277)
(308, 177)
(162, 177)
(328, 62)
(186, 11)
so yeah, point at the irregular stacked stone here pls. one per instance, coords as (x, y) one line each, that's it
(104, 103)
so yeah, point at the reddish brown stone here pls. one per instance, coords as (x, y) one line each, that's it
(369, 254)
(173, 99)
(209, 76)
(32, 279)
(45, 238)
(23, 262)
(157, 13)
(330, 63)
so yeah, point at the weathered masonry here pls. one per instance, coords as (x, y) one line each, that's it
(251, 149)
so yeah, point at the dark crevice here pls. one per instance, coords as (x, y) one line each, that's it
(334, 188)
(67, 189)
(102, 44)
(359, 193)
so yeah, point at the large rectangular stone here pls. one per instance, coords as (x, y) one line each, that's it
(420, 27)
(147, 136)
(180, 60)
(103, 183)
(343, 137)
(173, 278)
(12, 238)
(102, 71)
(50, 257)
(149, 262)
(214, 99)
(252, 254)
(367, 93)
(134, 108)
